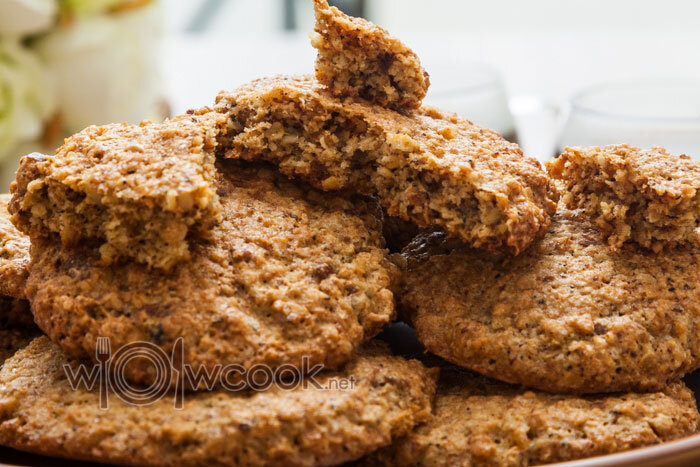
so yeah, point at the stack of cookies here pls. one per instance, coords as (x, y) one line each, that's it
(257, 248)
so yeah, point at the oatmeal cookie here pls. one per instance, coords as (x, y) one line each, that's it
(429, 168)
(569, 315)
(648, 196)
(141, 191)
(481, 422)
(288, 274)
(14, 254)
(302, 426)
(358, 59)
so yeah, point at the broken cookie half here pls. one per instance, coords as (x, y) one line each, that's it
(430, 167)
(649, 196)
(136, 192)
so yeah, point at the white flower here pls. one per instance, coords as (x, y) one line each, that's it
(105, 67)
(24, 17)
(26, 95)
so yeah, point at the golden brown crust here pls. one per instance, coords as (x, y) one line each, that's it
(288, 273)
(140, 191)
(14, 254)
(601, 320)
(429, 168)
(359, 59)
(479, 422)
(649, 196)
(39, 412)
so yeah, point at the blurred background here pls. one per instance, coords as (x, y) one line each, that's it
(545, 73)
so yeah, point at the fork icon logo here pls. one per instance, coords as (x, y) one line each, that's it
(110, 369)
(103, 352)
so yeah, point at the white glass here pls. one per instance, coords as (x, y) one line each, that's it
(642, 113)
(474, 91)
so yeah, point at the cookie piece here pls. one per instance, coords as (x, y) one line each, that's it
(429, 168)
(288, 274)
(140, 191)
(15, 313)
(649, 196)
(12, 340)
(358, 59)
(304, 425)
(481, 422)
(599, 319)
(14, 254)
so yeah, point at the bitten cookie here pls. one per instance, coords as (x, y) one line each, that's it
(305, 425)
(649, 196)
(569, 315)
(431, 168)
